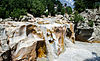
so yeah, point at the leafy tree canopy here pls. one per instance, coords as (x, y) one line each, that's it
(81, 5)
(15, 8)
(69, 10)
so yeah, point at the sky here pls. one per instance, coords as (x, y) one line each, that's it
(69, 2)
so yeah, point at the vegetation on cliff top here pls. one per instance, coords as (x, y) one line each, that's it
(15, 8)
(81, 5)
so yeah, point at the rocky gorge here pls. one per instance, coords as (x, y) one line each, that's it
(27, 41)
(48, 38)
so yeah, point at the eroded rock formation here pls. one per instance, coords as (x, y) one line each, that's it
(27, 41)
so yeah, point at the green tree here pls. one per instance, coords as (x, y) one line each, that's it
(77, 17)
(19, 7)
(17, 12)
(59, 8)
(89, 4)
(90, 23)
(4, 13)
(25, 4)
(50, 6)
(37, 8)
(46, 14)
(69, 10)
(63, 11)
(79, 5)
(15, 8)
(65, 4)
(44, 2)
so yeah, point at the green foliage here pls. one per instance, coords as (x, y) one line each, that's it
(97, 4)
(3, 13)
(63, 11)
(44, 2)
(59, 8)
(77, 17)
(90, 23)
(65, 4)
(46, 14)
(79, 5)
(89, 4)
(71, 19)
(16, 8)
(17, 12)
(37, 8)
(69, 10)
(50, 6)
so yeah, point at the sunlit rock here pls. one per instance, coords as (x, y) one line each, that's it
(40, 39)
(95, 37)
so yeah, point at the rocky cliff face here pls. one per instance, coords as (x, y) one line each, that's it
(30, 41)
(86, 32)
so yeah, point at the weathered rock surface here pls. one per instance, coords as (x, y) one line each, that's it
(27, 41)
(95, 35)
(85, 32)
